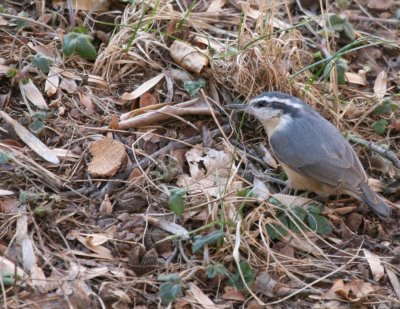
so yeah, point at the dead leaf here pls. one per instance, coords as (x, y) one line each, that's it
(142, 88)
(355, 78)
(84, 5)
(375, 264)
(190, 58)
(93, 242)
(260, 189)
(264, 284)
(201, 298)
(108, 156)
(6, 192)
(106, 206)
(32, 93)
(52, 82)
(4, 69)
(147, 99)
(232, 294)
(216, 6)
(380, 4)
(31, 140)
(194, 107)
(169, 227)
(114, 123)
(394, 280)
(86, 101)
(292, 199)
(69, 85)
(380, 85)
(352, 291)
(3, 21)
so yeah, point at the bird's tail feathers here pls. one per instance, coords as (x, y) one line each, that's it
(375, 202)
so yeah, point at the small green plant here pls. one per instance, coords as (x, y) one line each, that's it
(175, 202)
(170, 289)
(8, 279)
(41, 62)
(297, 219)
(386, 107)
(214, 270)
(201, 241)
(194, 86)
(380, 126)
(5, 157)
(248, 276)
(77, 42)
(342, 27)
(37, 126)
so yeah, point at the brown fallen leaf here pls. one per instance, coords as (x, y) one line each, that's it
(108, 156)
(86, 101)
(31, 140)
(380, 4)
(380, 85)
(216, 6)
(52, 81)
(232, 294)
(375, 264)
(189, 57)
(147, 99)
(355, 78)
(352, 291)
(201, 298)
(194, 107)
(33, 94)
(94, 243)
(142, 88)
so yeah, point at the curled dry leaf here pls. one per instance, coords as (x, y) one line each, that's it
(375, 264)
(52, 81)
(380, 85)
(190, 58)
(31, 140)
(142, 88)
(33, 94)
(108, 156)
(93, 242)
(194, 107)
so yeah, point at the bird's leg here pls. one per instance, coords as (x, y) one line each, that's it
(288, 189)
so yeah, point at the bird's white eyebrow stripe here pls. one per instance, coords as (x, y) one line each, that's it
(276, 99)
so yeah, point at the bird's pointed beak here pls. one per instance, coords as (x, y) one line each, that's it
(238, 107)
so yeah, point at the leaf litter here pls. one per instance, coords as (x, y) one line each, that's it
(140, 190)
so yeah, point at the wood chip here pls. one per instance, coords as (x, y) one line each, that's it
(108, 156)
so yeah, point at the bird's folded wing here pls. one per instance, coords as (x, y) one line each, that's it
(330, 161)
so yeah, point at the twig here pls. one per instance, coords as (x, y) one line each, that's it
(388, 154)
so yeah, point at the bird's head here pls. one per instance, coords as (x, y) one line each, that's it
(270, 106)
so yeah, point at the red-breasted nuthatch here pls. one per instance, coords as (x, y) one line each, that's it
(313, 153)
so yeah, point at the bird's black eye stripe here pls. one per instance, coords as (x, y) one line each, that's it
(286, 108)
